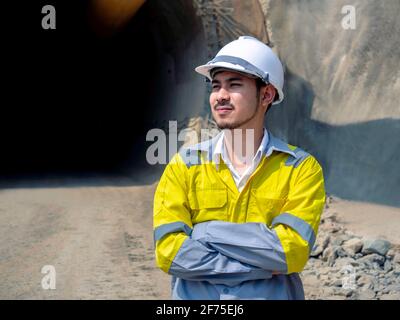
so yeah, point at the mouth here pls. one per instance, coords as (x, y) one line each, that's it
(223, 109)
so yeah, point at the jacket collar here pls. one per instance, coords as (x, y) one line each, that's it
(274, 144)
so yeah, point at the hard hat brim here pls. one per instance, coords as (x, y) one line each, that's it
(206, 68)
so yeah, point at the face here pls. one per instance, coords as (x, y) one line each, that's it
(234, 101)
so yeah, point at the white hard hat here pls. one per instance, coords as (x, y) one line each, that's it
(249, 55)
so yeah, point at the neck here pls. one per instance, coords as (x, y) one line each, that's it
(242, 144)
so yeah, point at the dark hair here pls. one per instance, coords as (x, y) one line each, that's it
(260, 83)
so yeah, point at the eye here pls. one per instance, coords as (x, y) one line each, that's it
(236, 84)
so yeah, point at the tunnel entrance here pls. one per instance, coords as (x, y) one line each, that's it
(81, 98)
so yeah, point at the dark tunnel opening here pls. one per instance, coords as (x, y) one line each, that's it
(80, 101)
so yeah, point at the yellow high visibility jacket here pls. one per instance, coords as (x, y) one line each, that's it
(211, 237)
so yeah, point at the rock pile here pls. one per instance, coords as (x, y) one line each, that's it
(345, 266)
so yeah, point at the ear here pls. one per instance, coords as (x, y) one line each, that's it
(268, 96)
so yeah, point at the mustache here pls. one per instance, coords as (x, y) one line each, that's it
(223, 104)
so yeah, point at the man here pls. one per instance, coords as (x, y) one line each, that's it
(228, 226)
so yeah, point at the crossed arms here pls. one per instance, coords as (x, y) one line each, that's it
(229, 253)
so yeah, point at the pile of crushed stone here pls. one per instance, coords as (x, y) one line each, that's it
(343, 265)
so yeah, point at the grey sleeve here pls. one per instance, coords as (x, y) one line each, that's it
(250, 243)
(199, 262)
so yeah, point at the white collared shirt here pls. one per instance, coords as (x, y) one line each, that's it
(240, 180)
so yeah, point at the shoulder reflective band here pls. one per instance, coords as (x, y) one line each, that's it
(301, 155)
(243, 63)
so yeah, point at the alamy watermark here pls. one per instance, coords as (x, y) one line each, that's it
(349, 20)
(49, 20)
(349, 279)
(49, 280)
(165, 144)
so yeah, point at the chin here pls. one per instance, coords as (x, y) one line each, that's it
(226, 125)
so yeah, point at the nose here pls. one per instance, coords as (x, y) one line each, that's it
(222, 95)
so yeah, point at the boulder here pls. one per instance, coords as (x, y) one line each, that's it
(353, 246)
(365, 294)
(369, 260)
(378, 246)
(396, 258)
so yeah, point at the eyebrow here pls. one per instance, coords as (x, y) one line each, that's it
(228, 80)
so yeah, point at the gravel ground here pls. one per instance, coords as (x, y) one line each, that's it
(97, 235)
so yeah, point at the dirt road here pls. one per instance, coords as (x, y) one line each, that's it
(97, 234)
